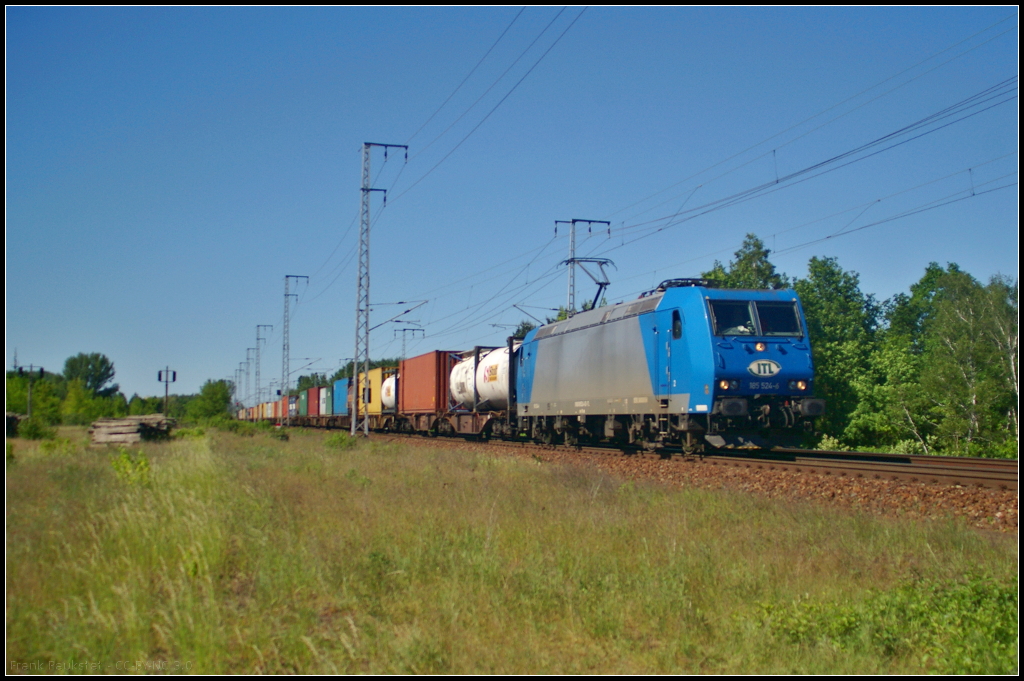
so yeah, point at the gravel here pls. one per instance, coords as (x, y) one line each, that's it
(982, 508)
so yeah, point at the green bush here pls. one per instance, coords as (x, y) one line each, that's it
(246, 428)
(36, 429)
(952, 627)
(340, 440)
(131, 467)
(60, 446)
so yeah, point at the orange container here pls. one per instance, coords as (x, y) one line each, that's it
(423, 382)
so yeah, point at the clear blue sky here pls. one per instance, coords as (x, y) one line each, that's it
(167, 167)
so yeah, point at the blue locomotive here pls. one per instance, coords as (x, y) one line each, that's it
(685, 365)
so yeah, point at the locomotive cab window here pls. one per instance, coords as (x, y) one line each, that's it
(731, 318)
(778, 319)
(677, 325)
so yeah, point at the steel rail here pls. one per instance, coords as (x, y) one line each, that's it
(946, 473)
(945, 470)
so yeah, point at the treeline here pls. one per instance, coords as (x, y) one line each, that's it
(84, 391)
(934, 370)
(316, 380)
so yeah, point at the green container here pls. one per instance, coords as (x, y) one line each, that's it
(329, 402)
(304, 403)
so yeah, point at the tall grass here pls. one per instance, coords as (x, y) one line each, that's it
(239, 554)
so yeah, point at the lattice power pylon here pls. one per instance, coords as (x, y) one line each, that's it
(362, 353)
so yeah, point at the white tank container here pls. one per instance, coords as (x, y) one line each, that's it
(461, 383)
(389, 392)
(491, 380)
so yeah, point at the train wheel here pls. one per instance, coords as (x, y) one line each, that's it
(692, 446)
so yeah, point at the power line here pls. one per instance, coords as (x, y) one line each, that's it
(920, 208)
(792, 178)
(492, 86)
(830, 108)
(500, 102)
(822, 167)
(471, 72)
(945, 201)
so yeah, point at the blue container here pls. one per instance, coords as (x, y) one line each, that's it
(340, 393)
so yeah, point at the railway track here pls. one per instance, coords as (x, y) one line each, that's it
(999, 474)
(941, 470)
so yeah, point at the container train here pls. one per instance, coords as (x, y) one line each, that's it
(686, 366)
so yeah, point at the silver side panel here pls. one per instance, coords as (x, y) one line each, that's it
(597, 370)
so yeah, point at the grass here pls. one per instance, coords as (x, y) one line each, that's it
(246, 553)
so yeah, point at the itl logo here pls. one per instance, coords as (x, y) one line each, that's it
(764, 368)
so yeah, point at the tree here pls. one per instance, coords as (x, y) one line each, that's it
(1004, 329)
(80, 407)
(891, 411)
(46, 396)
(947, 366)
(908, 315)
(969, 375)
(94, 370)
(524, 328)
(211, 402)
(750, 269)
(311, 381)
(841, 323)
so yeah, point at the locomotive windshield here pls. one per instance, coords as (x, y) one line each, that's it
(732, 318)
(735, 318)
(778, 319)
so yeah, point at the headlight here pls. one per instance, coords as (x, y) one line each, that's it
(723, 384)
(798, 385)
(760, 347)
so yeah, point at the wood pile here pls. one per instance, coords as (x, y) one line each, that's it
(131, 429)
(12, 423)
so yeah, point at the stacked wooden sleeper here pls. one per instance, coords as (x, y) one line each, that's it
(131, 429)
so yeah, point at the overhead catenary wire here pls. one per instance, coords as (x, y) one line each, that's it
(822, 167)
(468, 75)
(492, 86)
(495, 108)
(736, 199)
(347, 260)
(831, 108)
(932, 205)
(919, 208)
(496, 305)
